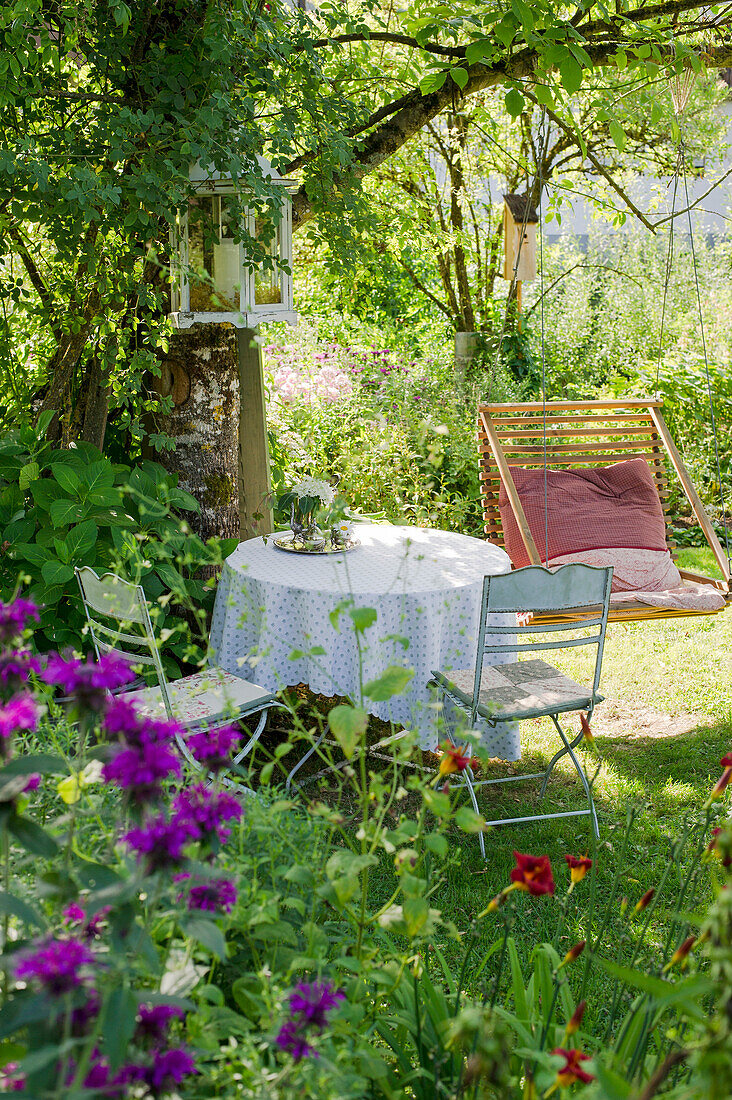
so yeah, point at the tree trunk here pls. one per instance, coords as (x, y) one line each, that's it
(201, 375)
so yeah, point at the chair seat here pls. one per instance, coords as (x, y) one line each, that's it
(522, 689)
(210, 696)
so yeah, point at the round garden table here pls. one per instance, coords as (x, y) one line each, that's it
(283, 619)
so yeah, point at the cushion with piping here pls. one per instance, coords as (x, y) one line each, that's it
(595, 508)
(633, 570)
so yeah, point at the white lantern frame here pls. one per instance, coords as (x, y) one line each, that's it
(209, 183)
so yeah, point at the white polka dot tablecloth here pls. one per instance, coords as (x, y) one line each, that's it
(282, 619)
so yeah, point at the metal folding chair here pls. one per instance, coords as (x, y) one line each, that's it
(533, 688)
(206, 700)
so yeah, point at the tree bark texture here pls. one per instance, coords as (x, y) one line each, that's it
(201, 375)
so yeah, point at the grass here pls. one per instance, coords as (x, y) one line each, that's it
(665, 723)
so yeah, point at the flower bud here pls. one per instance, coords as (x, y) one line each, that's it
(645, 900)
(576, 1018)
(573, 953)
(587, 729)
(679, 955)
(721, 785)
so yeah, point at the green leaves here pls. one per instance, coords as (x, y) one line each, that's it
(515, 102)
(392, 682)
(348, 725)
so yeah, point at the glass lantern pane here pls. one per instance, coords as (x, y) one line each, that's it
(268, 282)
(213, 255)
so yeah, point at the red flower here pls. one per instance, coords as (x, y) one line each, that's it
(572, 1071)
(578, 868)
(454, 760)
(587, 728)
(533, 873)
(726, 761)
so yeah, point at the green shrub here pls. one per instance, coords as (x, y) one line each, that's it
(74, 507)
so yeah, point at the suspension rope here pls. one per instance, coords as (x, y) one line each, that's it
(540, 182)
(669, 267)
(682, 149)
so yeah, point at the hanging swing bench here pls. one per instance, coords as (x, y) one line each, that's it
(586, 481)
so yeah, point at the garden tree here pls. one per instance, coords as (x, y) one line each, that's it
(449, 182)
(103, 106)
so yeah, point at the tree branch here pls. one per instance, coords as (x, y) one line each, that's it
(395, 39)
(595, 163)
(36, 279)
(414, 109)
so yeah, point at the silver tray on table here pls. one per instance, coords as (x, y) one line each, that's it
(285, 542)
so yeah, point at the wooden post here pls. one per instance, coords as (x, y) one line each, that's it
(255, 511)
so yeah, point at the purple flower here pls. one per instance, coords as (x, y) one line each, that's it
(34, 782)
(10, 1079)
(57, 965)
(213, 748)
(169, 1068)
(84, 1014)
(212, 895)
(290, 1039)
(123, 721)
(159, 842)
(15, 668)
(142, 770)
(309, 1004)
(88, 682)
(312, 1001)
(153, 1022)
(75, 914)
(202, 812)
(15, 618)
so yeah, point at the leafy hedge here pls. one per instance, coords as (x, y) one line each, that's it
(61, 508)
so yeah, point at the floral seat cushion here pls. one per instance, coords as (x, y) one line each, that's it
(523, 689)
(212, 695)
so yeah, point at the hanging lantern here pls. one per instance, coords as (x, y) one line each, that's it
(519, 238)
(213, 280)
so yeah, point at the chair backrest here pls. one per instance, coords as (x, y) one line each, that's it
(582, 591)
(132, 637)
(577, 434)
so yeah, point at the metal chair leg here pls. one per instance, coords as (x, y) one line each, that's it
(313, 748)
(569, 748)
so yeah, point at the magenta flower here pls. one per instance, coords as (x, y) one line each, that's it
(15, 617)
(15, 669)
(88, 682)
(292, 1041)
(20, 713)
(159, 843)
(312, 1001)
(309, 1004)
(122, 721)
(92, 927)
(142, 770)
(213, 748)
(169, 1068)
(153, 1022)
(57, 965)
(202, 812)
(10, 1079)
(214, 895)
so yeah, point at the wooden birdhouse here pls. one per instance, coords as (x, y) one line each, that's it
(519, 238)
(213, 279)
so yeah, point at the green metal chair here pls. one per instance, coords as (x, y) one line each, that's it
(206, 700)
(532, 688)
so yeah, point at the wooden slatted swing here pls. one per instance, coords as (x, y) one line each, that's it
(567, 435)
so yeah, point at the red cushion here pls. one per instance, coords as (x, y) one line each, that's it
(586, 509)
